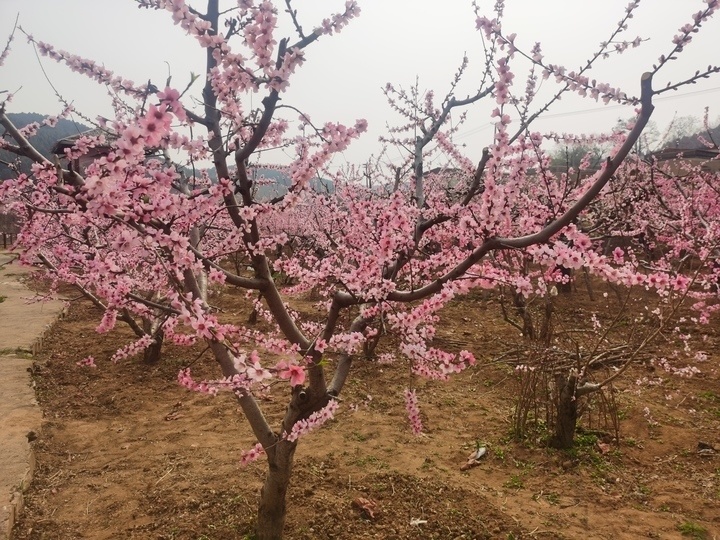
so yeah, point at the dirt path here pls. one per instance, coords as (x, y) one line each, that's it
(22, 326)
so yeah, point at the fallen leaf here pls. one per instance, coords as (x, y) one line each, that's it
(366, 506)
(603, 447)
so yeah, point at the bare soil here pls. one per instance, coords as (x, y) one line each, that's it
(126, 453)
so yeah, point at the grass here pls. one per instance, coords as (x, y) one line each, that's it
(357, 436)
(371, 460)
(525, 465)
(709, 396)
(515, 482)
(713, 398)
(693, 530)
(2, 298)
(16, 352)
(585, 440)
(551, 497)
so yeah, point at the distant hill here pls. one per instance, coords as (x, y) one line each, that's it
(44, 140)
(276, 183)
(271, 183)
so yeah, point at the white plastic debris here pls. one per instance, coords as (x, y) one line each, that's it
(474, 458)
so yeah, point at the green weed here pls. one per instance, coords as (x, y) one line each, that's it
(693, 530)
(515, 482)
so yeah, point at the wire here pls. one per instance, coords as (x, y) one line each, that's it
(578, 112)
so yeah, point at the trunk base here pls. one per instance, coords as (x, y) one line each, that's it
(273, 495)
(567, 412)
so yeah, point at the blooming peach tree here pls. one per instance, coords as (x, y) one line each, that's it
(148, 222)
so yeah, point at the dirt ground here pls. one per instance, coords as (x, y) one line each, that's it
(126, 453)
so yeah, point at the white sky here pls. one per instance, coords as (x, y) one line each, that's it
(392, 41)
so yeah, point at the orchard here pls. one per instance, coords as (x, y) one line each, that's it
(170, 204)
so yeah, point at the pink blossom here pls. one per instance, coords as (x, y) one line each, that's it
(413, 412)
(680, 282)
(88, 361)
(155, 124)
(293, 372)
(314, 421)
(320, 345)
(248, 456)
(171, 98)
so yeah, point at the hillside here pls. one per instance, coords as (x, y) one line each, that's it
(43, 141)
(272, 182)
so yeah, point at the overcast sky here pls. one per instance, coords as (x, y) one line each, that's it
(392, 41)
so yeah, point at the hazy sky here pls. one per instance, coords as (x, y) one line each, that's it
(392, 41)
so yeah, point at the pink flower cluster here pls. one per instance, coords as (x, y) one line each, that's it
(88, 361)
(6, 49)
(292, 372)
(338, 21)
(413, 411)
(248, 456)
(251, 371)
(314, 421)
(687, 371)
(89, 68)
(236, 383)
(133, 348)
(259, 34)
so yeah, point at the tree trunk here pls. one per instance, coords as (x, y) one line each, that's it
(565, 287)
(520, 303)
(280, 454)
(152, 353)
(153, 327)
(370, 345)
(547, 329)
(272, 509)
(253, 318)
(567, 412)
(588, 284)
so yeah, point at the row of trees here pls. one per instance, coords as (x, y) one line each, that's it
(143, 230)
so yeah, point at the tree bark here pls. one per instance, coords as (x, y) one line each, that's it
(567, 412)
(152, 353)
(528, 328)
(153, 327)
(547, 329)
(273, 505)
(280, 454)
(566, 287)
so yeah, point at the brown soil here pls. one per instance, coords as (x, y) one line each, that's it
(127, 453)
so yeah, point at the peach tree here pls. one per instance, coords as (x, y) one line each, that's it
(154, 216)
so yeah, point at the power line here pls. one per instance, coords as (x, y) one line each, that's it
(483, 127)
(489, 125)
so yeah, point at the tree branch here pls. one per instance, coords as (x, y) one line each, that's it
(557, 225)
